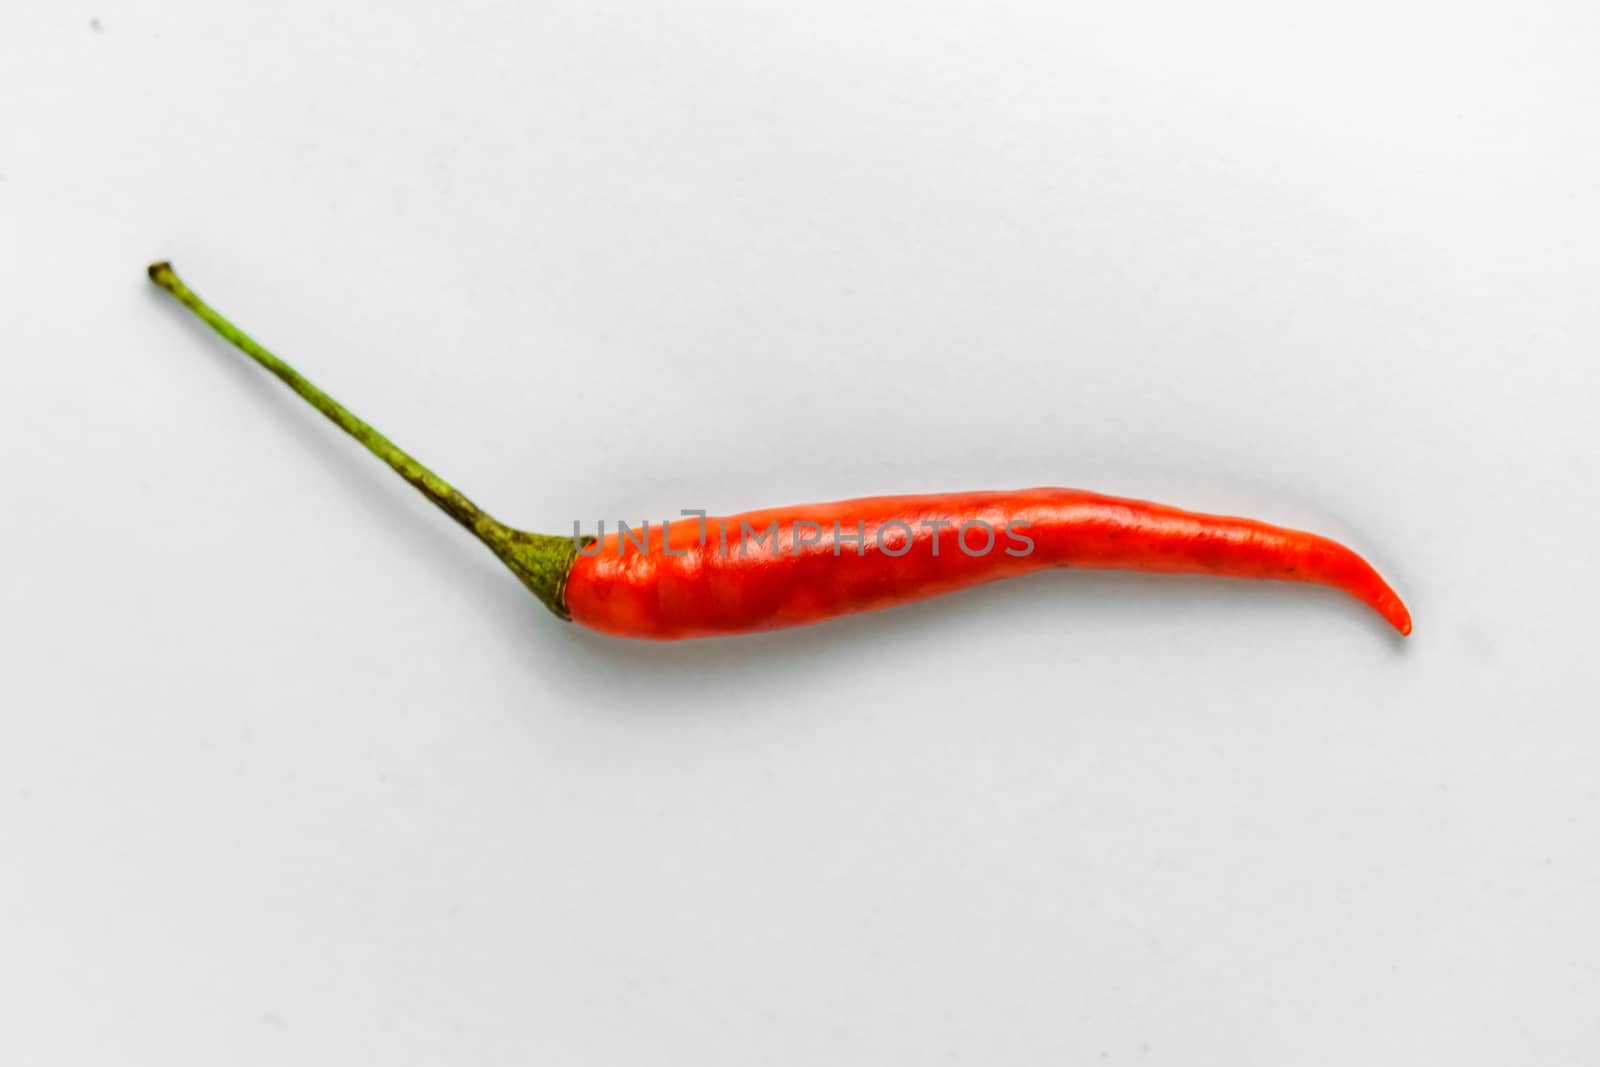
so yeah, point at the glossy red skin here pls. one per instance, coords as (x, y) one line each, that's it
(709, 592)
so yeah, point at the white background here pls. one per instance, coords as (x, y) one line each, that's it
(291, 771)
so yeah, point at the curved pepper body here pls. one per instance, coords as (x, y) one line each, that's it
(780, 567)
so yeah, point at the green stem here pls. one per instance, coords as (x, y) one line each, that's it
(541, 561)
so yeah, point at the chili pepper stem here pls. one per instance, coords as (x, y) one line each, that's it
(541, 561)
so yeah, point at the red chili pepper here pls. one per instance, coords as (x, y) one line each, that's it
(770, 569)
